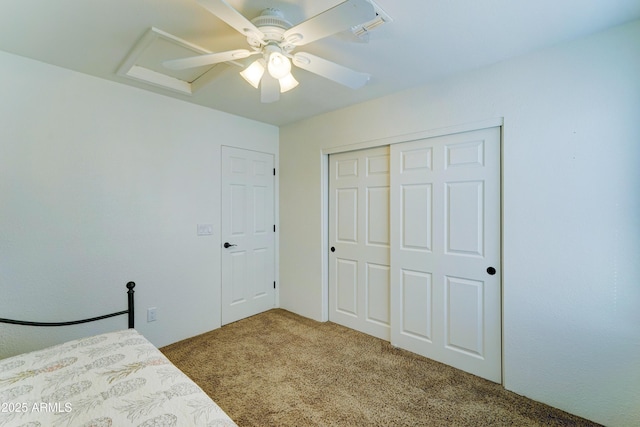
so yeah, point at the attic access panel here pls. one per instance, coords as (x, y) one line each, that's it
(144, 63)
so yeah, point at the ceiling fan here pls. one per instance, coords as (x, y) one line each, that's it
(274, 38)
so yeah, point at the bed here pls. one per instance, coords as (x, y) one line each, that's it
(113, 379)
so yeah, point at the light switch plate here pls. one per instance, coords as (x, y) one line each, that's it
(205, 229)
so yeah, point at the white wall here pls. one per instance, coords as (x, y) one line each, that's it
(571, 225)
(100, 184)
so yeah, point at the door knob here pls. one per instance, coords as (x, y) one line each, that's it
(333, 249)
(491, 271)
(227, 245)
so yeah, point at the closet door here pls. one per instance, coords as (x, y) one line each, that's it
(445, 250)
(359, 241)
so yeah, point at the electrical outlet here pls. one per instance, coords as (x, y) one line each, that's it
(151, 314)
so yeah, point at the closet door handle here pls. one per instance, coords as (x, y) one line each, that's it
(227, 245)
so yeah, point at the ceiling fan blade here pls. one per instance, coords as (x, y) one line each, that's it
(231, 16)
(339, 18)
(269, 89)
(330, 70)
(207, 59)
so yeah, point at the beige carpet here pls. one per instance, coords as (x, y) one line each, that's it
(280, 369)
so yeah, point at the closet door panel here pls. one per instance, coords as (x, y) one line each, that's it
(359, 271)
(445, 235)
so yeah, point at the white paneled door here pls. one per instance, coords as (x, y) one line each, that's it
(248, 235)
(359, 241)
(445, 250)
(414, 234)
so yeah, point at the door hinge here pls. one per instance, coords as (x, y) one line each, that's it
(274, 228)
(274, 285)
(274, 171)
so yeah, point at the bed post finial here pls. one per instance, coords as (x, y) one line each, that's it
(130, 293)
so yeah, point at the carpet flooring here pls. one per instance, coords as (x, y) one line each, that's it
(280, 369)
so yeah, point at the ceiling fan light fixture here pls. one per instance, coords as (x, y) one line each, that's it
(287, 83)
(253, 73)
(279, 65)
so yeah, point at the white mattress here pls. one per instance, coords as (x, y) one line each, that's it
(113, 379)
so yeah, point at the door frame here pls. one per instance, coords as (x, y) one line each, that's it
(398, 139)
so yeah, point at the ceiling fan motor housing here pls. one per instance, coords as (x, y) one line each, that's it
(272, 24)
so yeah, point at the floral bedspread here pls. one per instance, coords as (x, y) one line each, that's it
(114, 379)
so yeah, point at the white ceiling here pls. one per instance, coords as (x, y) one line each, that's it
(427, 40)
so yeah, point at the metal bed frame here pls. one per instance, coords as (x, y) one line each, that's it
(129, 311)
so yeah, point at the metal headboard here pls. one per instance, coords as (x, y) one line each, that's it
(129, 311)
